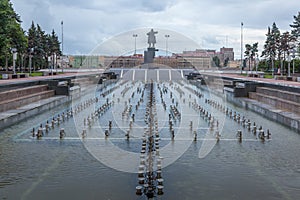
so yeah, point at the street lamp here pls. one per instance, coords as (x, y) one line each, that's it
(242, 63)
(293, 56)
(15, 53)
(293, 51)
(135, 36)
(289, 66)
(30, 59)
(272, 63)
(167, 37)
(62, 46)
(256, 63)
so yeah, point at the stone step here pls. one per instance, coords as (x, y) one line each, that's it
(289, 96)
(252, 95)
(21, 92)
(24, 100)
(276, 102)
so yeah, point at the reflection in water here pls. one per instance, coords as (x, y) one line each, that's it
(51, 168)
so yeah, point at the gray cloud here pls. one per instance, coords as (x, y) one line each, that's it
(88, 22)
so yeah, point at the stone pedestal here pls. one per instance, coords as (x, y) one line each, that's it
(149, 55)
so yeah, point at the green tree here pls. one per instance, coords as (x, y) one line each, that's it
(271, 46)
(40, 46)
(53, 46)
(44, 45)
(287, 41)
(251, 53)
(247, 54)
(226, 61)
(216, 61)
(296, 27)
(269, 49)
(11, 33)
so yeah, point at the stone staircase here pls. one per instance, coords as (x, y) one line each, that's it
(12, 99)
(280, 99)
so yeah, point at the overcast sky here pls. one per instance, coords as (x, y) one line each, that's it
(211, 23)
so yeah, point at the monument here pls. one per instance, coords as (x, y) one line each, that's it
(150, 53)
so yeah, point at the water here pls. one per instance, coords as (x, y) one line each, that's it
(65, 169)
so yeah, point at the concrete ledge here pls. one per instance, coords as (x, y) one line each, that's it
(21, 92)
(278, 102)
(286, 118)
(21, 101)
(290, 96)
(11, 117)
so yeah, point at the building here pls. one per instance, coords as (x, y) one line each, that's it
(226, 53)
(199, 59)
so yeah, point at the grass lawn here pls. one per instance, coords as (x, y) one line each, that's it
(36, 74)
(268, 76)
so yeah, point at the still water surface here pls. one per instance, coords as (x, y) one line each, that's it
(64, 169)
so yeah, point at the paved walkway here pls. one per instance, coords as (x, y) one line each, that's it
(38, 78)
(264, 80)
(82, 73)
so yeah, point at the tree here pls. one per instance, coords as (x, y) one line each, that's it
(44, 45)
(296, 27)
(247, 53)
(254, 51)
(271, 46)
(11, 33)
(216, 61)
(251, 53)
(286, 45)
(13, 36)
(53, 46)
(269, 52)
(226, 61)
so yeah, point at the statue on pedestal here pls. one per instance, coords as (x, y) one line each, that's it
(152, 38)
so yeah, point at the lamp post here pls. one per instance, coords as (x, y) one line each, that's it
(167, 37)
(293, 51)
(135, 36)
(62, 45)
(289, 66)
(30, 59)
(242, 24)
(281, 67)
(272, 63)
(256, 63)
(15, 53)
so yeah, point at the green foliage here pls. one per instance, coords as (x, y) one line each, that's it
(216, 61)
(11, 33)
(296, 26)
(279, 46)
(13, 36)
(296, 32)
(43, 45)
(251, 52)
(36, 74)
(272, 44)
(268, 76)
(226, 61)
(297, 65)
